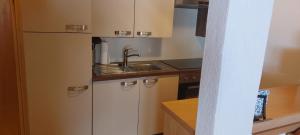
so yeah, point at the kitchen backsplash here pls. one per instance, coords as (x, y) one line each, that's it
(183, 44)
(147, 47)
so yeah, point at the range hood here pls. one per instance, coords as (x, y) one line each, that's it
(191, 3)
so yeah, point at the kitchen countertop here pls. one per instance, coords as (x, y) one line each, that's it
(102, 73)
(283, 109)
(185, 64)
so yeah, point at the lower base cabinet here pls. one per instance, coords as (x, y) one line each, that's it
(132, 106)
(154, 91)
(115, 107)
(172, 127)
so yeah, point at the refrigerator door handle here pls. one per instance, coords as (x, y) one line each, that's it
(78, 89)
(76, 28)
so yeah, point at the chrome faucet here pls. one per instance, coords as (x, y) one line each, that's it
(126, 55)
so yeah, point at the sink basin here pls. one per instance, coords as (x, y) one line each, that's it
(142, 67)
(134, 67)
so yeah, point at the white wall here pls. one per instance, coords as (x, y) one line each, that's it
(183, 44)
(282, 61)
(148, 48)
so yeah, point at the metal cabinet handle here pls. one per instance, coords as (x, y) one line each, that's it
(150, 82)
(122, 33)
(76, 28)
(127, 84)
(144, 34)
(78, 89)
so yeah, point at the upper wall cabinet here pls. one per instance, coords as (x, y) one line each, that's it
(56, 15)
(154, 18)
(132, 18)
(113, 18)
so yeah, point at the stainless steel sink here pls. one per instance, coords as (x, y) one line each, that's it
(133, 67)
(142, 67)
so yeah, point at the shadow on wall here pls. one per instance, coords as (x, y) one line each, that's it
(282, 65)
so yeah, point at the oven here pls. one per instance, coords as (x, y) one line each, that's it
(188, 90)
(189, 76)
(189, 84)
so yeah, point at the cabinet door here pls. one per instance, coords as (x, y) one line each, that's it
(113, 18)
(59, 93)
(56, 15)
(115, 107)
(154, 18)
(153, 91)
(172, 127)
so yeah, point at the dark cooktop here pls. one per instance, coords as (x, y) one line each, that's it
(181, 64)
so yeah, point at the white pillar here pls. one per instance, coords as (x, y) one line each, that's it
(236, 39)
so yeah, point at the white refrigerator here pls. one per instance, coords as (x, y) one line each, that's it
(58, 60)
(59, 78)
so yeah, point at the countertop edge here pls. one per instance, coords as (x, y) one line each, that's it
(132, 75)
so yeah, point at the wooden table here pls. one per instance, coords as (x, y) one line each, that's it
(283, 114)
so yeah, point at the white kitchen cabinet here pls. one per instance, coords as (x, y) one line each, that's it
(58, 75)
(154, 91)
(154, 18)
(132, 106)
(172, 127)
(133, 18)
(113, 18)
(56, 15)
(115, 107)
